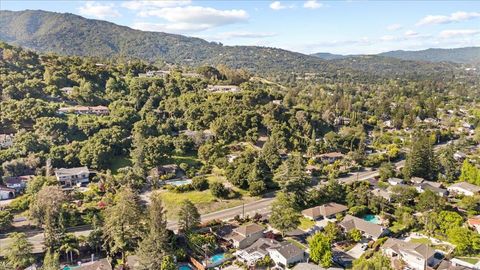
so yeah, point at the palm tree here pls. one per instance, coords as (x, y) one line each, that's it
(70, 248)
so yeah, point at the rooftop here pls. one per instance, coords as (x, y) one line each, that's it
(467, 186)
(350, 222)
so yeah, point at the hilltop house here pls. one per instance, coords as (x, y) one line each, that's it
(324, 211)
(464, 188)
(97, 110)
(6, 193)
(368, 229)
(432, 186)
(17, 182)
(155, 73)
(69, 177)
(223, 88)
(245, 235)
(6, 140)
(286, 254)
(414, 255)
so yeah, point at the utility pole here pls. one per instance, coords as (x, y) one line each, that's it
(243, 210)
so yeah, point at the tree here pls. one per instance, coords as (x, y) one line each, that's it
(386, 170)
(293, 180)
(470, 173)
(218, 190)
(188, 217)
(355, 235)
(429, 200)
(321, 249)
(122, 228)
(332, 231)
(51, 261)
(153, 249)
(421, 160)
(19, 254)
(167, 264)
(284, 215)
(403, 194)
(271, 155)
(6, 219)
(70, 246)
(466, 242)
(449, 164)
(377, 261)
(200, 183)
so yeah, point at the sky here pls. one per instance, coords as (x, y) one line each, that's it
(342, 27)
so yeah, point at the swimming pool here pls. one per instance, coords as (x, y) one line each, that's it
(217, 258)
(185, 267)
(178, 182)
(372, 219)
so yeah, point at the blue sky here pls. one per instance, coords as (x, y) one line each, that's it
(346, 27)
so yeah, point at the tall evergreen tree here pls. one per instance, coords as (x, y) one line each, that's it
(122, 228)
(154, 246)
(189, 218)
(19, 254)
(421, 160)
(285, 217)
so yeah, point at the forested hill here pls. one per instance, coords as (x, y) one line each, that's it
(70, 34)
(470, 55)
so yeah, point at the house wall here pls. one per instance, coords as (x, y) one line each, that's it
(277, 257)
(412, 261)
(5, 195)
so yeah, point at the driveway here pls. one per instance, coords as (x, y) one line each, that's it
(357, 251)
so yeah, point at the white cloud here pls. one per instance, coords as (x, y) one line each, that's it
(98, 10)
(312, 4)
(394, 27)
(277, 5)
(388, 38)
(144, 4)
(443, 19)
(459, 33)
(411, 33)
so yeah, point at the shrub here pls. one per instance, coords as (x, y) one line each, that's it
(200, 183)
(219, 190)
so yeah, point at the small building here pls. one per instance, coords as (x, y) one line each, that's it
(96, 110)
(18, 183)
(286, 254)
(6, 193)
(435, 188)
(6, 140)
(155, 73)
(342, 121)
(101, 264)
(379, 192)
(67, 90)
(245, 235)
(256, 251)
(414, 255)
(324, 211)
(368, 229)
(70, 177)
(331, 157)
(464, 188)
(474, 222)
(395, 181)
(417, 180)
(223, 88)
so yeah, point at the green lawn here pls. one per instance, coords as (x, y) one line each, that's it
(296, 243)
(191, 160)
(306, 223)
(119, 162)
(425, 241)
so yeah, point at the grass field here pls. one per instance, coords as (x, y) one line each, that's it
(306, 224)
(425, 241)
(472, 260)
(120, 162)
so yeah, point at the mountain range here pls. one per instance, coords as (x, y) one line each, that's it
(70, 34)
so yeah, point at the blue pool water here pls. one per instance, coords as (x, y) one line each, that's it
(372, 218)
(179, 182)
(217, 258)
(185, 267)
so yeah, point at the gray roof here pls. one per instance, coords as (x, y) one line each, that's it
(467, 186)
(311, 266)
(325, 210)
(71, 171)
(288, 250)
(417, 249)
(261, 246)
(97, 265)
(249, 229)
(350, 222)
(427, 186)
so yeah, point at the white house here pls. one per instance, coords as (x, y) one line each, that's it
(395, 181)
(69, 177)
(286, 254)
(464, 188)
(256, 251)
(17, 182)
(6, 140)
(415, 255)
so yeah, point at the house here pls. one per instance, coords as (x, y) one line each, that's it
(311, 169)
(341, 121)
(379, 192)
(167, 170)
(464, 188)
(6, 140)
(331, 157)
(69, 177)
(324, 211)
(435, 188)
(155, 73)
(417, 180)
(6, 193)
(459, 156)
(395, 181)
(191, 75)
(97, 110)
(452, 265)
(245, 235)
(223, 88)
(368, 229)
(256, 251)
(286, 254)
(311, 266)
(474, 222)
(17, 182)
(102, 264)
(414, 255)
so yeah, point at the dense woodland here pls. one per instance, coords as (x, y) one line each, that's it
(146, 128)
